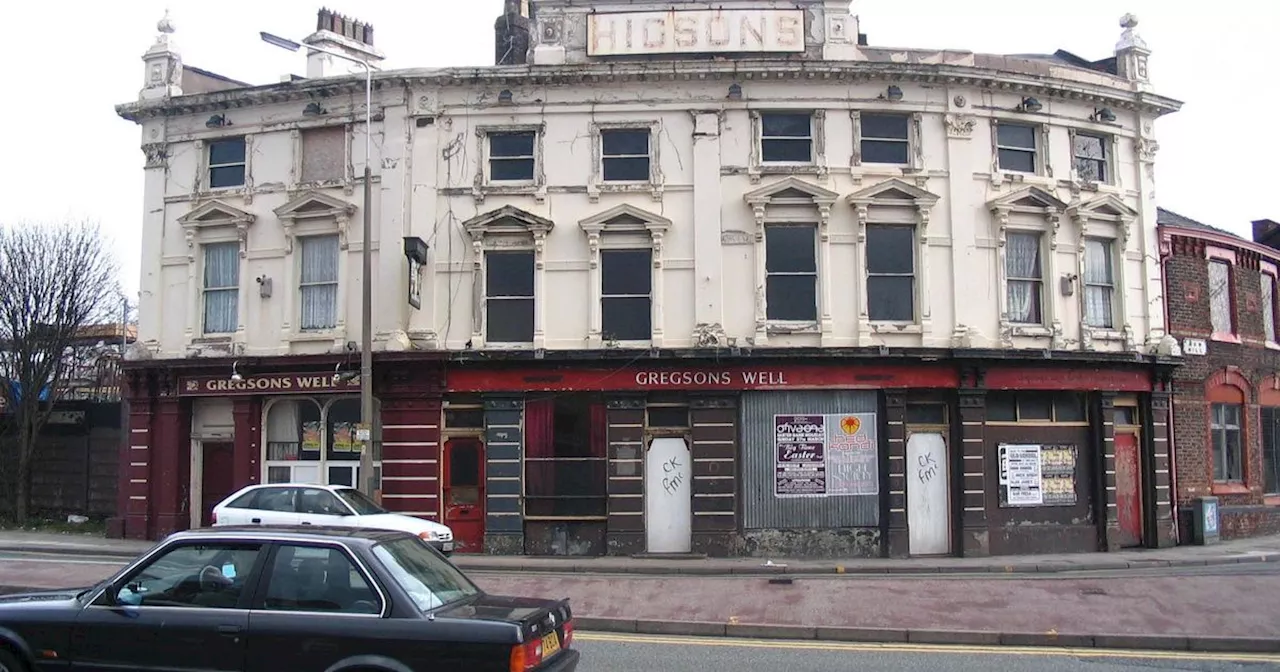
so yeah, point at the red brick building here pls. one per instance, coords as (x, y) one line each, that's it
(1221, 304)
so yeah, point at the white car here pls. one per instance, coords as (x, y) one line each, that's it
(329, 505)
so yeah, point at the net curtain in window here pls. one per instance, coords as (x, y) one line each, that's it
(1022, 259)
(221, 284)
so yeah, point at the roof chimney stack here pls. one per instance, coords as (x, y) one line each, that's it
(340, 33)
(511, 34)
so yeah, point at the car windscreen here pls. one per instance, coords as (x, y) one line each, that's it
(360, 502)
(430, 580)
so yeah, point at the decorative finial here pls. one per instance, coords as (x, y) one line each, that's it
(1129, 39)
(165, 25)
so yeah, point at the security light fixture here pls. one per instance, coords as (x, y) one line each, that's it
(735, 91)
(314, 109)
(235, 375)
(1104, 114)
(217, 121)
(894, 93)
(504, 97)
(1029, 104)
(341, 376)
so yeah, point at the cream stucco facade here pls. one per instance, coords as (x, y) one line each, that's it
(704, 210)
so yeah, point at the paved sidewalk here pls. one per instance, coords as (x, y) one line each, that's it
(1218, 609)
(1259, 549)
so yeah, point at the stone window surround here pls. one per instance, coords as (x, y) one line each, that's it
(820, 201)
(604, 232)
(1213, 253)
(596, 185)
(508, 228)
(298, 220)
(1044, 166)
(1106, 218)
(348, 179)
(1047, 221)
(213, 222)
(757, 167)
(482, 187)
(871, 207)
(200, 185)
(915, 143)
(1268, 268)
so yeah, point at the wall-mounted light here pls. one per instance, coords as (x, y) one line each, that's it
(1029, 104)
(264, 286)
(504, 97)
(235, 375)
(341, 376)
(894, 93)
(314, 109)
(217, 121)
(735, 91)
(1104, 114)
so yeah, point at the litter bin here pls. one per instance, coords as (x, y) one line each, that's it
(1204, 521)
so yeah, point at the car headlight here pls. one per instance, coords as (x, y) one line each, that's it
(429, 535)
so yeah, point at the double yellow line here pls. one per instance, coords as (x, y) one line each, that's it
(852, 647)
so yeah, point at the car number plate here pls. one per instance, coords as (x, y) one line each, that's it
(550, 644)
(447, 546)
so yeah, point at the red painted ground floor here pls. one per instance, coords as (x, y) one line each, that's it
(785, 454)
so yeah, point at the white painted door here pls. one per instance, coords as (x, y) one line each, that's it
(668, 501)
(928, 522)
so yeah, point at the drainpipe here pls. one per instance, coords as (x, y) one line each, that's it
(1173, 461)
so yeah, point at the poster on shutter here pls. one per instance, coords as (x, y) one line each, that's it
(1020, 475)
(853, 466)
(800, 468)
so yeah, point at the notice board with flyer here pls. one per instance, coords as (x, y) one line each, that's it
(825, 455)
(1037, 475)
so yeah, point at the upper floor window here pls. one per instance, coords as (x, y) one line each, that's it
(1024, 277)
(509, 296)
(1099, 283)
(1269, 306)
(226, 163)
(891, 273)
(1016, 147)
(791, 272)
(625, 154)
(1091, 158)
(511, 156)
(318, 281)
(221, 287)
(786, 137)
(1220, 312)
(324, 154)
(1035, 406)
(1227, 445)
(626, 281)
(885, 138)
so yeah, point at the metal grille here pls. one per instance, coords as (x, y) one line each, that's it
(761, 509)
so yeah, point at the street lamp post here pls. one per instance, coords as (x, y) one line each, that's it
(366, 258)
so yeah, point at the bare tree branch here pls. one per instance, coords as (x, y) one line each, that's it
(55, 279)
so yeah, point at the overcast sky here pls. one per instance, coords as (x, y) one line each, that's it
(68, 155)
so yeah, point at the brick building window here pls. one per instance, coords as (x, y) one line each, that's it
(1226, 429)
(1220, 312)
(1271, 450)
(1269, 306)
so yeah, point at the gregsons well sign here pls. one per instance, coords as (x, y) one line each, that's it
(695, 31)
(273, 383)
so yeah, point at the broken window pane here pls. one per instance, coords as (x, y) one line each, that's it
(1091, 158)
(511, 156)
(324, 153)
(891, 273)
(885, 138)
(509, 296)
(791, 272)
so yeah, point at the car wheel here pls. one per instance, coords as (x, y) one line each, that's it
(10, 662)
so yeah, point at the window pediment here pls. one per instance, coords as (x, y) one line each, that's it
(893, 192)
(313, 205)
(1107, 207)
(625, 218)
(212, 215)
(1029, 200)
(507, 220)
(790, 191)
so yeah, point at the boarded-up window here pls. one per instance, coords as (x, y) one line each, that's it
(1220, 297)
(324, 153)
